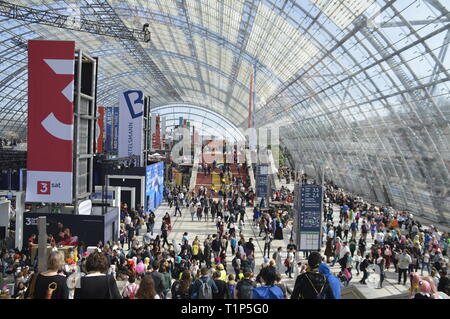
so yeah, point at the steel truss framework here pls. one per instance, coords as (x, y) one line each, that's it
(359, 89)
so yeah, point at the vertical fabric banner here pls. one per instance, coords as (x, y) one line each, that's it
(116, 121)
(157, 134)
(180, 121)
(131, 120)
(152, 130)
(51, 67)
(108, 129)
(100, 128)
(163, 132)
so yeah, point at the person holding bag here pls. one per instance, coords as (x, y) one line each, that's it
(49, 284)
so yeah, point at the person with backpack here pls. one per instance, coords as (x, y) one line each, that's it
(204, 287)
(167, 280)
(269, 290)
(236, 263)
(363, 267)
(312, 284)
(130, 290)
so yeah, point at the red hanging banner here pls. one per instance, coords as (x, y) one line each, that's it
(51, 67)
(100, 128)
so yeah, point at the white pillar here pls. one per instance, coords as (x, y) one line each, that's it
(20, 209)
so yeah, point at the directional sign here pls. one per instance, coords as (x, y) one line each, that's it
(308, 206)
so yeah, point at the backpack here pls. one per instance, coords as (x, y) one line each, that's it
(132, 294)
(319, 294)
(364, 265)
(245, 290)
(205, 291)
(274, 256)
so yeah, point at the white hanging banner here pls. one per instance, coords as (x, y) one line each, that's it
(131, 110)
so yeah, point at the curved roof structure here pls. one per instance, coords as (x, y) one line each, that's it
(359, 88)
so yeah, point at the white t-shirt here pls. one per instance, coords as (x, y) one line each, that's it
(331, 233)
(380, 237)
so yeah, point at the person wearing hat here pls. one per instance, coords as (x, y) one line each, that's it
(223, 273)
(312, 284)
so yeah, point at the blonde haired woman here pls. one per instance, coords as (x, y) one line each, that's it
(50, 284)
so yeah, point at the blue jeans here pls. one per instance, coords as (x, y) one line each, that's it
(150, 228)
(336, 257)
(424, 264)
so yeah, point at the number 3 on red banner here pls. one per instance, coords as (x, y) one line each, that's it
(43, 188)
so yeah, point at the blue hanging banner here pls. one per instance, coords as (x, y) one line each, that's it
(115, 145)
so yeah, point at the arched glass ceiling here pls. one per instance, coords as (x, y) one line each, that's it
(206, 122)
(360, 86)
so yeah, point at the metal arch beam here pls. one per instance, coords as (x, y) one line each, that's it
(390, 55)
(103, 11)
(357, 27)
(394, 24)
(202, 109)
(116, 28)
(188, 34)
(203, 32)
(247, 19)
(201, 63)
(50, 18)
(441, 57)
(438, 6)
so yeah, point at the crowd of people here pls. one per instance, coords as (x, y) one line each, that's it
(223, 265)
(399, 243)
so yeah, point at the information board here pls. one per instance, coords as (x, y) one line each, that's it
(262, 180)
(308, 206)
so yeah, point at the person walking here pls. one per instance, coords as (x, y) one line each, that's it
(267, 240)
(363, 267)
(404, 259)
(204, 287)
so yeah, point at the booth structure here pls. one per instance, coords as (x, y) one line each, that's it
(70, 229)
(5, 213)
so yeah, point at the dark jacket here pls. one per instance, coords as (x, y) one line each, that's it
(311, 284)
(42, 283)
(98, 287)
(158, 279)
(223, 292)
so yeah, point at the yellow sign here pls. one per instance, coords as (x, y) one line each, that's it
(178, 179)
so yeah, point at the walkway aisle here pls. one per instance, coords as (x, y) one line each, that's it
(202, 229)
